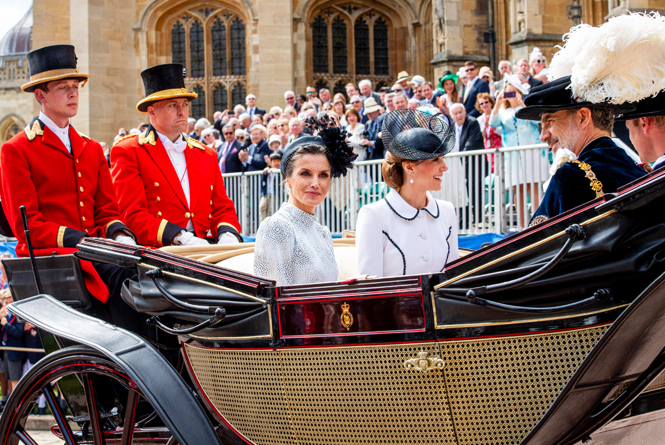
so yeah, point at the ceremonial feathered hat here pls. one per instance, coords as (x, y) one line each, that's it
(619, 62)
(163, 82)
(416, 135)
(51, 63)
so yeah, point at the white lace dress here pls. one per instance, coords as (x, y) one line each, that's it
(293, 248)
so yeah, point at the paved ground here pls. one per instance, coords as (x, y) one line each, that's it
(45, 438)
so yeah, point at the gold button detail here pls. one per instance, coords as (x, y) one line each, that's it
(158, 199)
(86, 230)
(159, 213)
(209, 216)
(81, 203)
(79, 174)
(156, 184)
(211, 187)
(81, 188)
(77, 161)
(83, 218)
(188, 215)
(211, 202)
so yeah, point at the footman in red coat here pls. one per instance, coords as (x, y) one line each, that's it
(169, 186)
(60, 175)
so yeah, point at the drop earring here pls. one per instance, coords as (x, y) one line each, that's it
(411, 181)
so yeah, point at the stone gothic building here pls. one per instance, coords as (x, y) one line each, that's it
(265, 47)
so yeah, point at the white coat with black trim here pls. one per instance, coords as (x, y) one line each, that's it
(393, 238)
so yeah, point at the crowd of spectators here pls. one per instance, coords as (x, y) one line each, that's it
(483, 111)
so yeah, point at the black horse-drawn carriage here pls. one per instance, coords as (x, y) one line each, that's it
(551, 336)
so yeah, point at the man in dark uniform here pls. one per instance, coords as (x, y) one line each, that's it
(169, 187)
(583, 128)
(646, 126)
(61, 176)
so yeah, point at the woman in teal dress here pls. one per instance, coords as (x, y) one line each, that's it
(524, 170)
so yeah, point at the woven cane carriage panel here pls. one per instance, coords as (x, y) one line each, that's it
(246, 388)
(335, 395)
(364, 395)
(499, 388)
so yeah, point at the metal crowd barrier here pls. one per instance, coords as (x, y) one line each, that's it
(493, 190)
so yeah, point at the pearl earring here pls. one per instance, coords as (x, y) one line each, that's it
(411, 181)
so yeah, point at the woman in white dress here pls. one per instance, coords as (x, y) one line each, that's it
(291, 246)
(355, 131)
(409, 232)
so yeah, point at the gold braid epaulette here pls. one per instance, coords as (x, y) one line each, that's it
(596, 185)
(123, 138)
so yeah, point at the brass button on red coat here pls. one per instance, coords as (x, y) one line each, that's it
(159, 213)
(81, 188)
(81, 203)
(209, 216)
(79, 174)
(211, 187)
(158, 199)
(156, 184)
(188, 215)
(77, 161)
(211, 202)
(83, 218)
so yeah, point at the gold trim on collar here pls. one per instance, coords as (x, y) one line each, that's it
(61, 236)
(191, 142)
(160, 231)
(518, 252)
(35, 131)
(148, 137)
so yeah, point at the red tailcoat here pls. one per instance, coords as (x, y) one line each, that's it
(67, 196)
(151, 197)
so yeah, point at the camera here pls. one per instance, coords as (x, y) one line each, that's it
(365, 133)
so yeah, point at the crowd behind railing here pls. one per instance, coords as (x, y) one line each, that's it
(495, 173)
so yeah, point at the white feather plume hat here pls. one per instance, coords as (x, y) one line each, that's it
(618, 62)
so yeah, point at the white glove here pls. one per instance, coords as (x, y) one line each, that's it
(124, 239)
(228, 238)
(188, 239)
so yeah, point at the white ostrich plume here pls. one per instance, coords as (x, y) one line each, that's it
(574, 41)
(623, 61)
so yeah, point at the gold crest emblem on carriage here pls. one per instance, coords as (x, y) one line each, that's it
(346, 318)
(424, 362)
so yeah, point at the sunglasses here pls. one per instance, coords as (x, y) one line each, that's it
(485, 77)
(240, 138)
(311, 92)
(470, 69)
(356, 102)
(290, 98)
(482, 103)
(539, 61)
(227, 134)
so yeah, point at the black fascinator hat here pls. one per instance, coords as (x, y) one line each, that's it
(340, 155)
(417, 135)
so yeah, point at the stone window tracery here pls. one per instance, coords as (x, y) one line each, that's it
(211, 44)
(349, 43)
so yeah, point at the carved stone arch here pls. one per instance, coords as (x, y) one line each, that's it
(153, 8)
(401, 9)
(8, 124)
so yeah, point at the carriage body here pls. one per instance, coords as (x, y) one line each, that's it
(494, 350)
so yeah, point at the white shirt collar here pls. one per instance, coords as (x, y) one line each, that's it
(62, 133)
(659, 160)
(179, 145)
(404, 210)
(471, 82)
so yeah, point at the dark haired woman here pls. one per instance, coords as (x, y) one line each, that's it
(409, 232)
(291, 246)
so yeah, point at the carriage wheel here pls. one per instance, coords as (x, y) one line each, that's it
(107, 407)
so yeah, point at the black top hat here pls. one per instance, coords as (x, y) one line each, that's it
(50, 63)
(555, 96)
(649, 106)
(417, 135)
(163, 82)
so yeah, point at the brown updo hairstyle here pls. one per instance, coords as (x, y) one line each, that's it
(393, 171)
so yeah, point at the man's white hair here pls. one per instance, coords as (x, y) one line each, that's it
(289, 92)
(202, 123)
(244, 116)
(365, 82)
(413, 100)
(207, 131)
(241, 132)
(356, 97)
(239, 107)
(250, 96)
(191, 120)
(454, 106)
